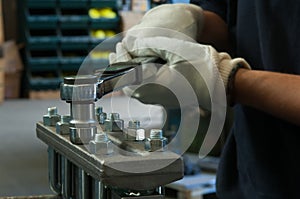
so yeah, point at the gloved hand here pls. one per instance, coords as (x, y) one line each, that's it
(185, 19)
(188, 65)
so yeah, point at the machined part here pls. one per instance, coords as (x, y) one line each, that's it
(62, 127)
(134, 131)
(51, 118)
(79, 88)
(82, 135)
(102, 168)
(113, 123)
(156, 142)
(83, 115)
(66, 178)
(83, 123)
(82, 184)
(100, 115)
(54, 169)
(99, 191)
(101, 145)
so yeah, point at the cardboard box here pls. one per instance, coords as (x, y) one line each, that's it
(1, 85)
(1, 24)
(12, 85)
(13, 68)
(47, 94)
(1, 94)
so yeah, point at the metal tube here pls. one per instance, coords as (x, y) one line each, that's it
(83, 114)
(82, 187)
(66, 175)
(98, 190)
(54, 170)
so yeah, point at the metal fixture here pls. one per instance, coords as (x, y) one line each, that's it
(81, 93)
(134, 131)
(52, 117)
(96, 169)
(62, 127)
(156, 142)
(101, 145)
(100, 115)
(113, 123)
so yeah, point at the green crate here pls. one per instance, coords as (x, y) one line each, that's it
(42, 60)
(42, 43)
(41, 3)
(71, 64)
(74, 22)
(43, 64)
(46, 80)
(45, 83)
(73, 3)
(74, 43)
(42, 22)
(105, 23)
(104, 4)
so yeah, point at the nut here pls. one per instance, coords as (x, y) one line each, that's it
(52, 117)
(113, 123)
(156, 142)
(134, 132)
(100, 115)
(101, 145)
(62, 127)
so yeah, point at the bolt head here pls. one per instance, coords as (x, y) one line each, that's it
(62, 128)
(51, 120)
(157, 144)
(114, 126)
(101, 148)
(135, 134)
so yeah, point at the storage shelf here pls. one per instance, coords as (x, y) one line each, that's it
(58, 37)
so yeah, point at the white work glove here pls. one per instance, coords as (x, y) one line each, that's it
(186, 19)
(205, 70)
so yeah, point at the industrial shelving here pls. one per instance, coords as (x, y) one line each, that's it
(58, 38)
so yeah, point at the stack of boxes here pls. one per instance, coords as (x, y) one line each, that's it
(1, 57)
(60, 34)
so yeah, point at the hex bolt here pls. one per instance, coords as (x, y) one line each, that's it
(156, 142)
(134, 131)
(62, 127)
(156, 134)
(113, 123)
(100, 115)
(101, 145)
(52, 117)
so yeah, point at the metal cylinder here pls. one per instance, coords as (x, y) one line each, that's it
(83, 123)
(82, 189)
(66, 178)
(98, 190)
(54, 169)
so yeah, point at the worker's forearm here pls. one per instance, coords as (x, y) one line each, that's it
(275, 93)
(215, 31)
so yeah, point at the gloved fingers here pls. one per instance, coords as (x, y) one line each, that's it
(121, 54)
(182, 21)
(112, 58)
(169, 49)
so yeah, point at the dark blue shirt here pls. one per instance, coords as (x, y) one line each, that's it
(261, 159)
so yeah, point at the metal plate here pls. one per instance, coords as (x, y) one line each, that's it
(102, 168)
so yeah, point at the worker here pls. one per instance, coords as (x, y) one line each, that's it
(261, 156)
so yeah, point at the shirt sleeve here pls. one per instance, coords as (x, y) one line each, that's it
(217, 6)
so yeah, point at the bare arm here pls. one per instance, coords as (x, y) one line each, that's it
(275, 93)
